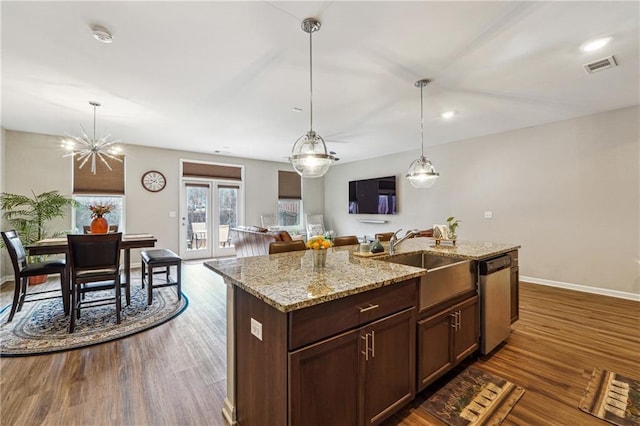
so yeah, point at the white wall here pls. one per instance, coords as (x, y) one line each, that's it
(2, 169)
(34, 162)
(568, 192)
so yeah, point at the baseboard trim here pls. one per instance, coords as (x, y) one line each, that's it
(582, 288)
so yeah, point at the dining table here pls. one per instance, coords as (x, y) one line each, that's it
(60, 246)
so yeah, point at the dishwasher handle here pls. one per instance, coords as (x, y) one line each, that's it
(494, 265)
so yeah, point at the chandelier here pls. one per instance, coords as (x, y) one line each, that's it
(422, 173)
(309, 156)
(85, 148)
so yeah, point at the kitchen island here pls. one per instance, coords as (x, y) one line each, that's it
(342, 344)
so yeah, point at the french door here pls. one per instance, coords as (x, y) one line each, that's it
(209, 209)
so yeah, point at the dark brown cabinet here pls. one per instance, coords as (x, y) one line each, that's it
(350, 361)
(445, 339)
(515, 286)
(356, 378)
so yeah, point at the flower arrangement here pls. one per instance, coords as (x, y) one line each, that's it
(318, 243)
(452, 224)
(98, 210)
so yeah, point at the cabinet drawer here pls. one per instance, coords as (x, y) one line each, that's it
(318, 322)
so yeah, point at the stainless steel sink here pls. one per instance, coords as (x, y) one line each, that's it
(446, 276)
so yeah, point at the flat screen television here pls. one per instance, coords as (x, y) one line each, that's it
(373, 196)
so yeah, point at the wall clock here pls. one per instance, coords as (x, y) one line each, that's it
(153, 181)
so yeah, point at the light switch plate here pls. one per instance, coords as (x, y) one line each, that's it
(172, 214)
(488, 214)
(256, 329)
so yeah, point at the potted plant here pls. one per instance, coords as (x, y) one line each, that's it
(452, 224)
(30, 215)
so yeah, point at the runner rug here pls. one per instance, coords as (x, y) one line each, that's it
(612, 397)
(41, 327)
(474, 397)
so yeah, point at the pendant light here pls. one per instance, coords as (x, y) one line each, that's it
(309, 156)
(91, 148)
(421, 173)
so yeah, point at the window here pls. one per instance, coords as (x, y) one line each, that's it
(82, 214)
(106, 186)
(289, 199)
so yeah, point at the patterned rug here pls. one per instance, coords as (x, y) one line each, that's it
(612, 397)
(42, 328)
(473, 397)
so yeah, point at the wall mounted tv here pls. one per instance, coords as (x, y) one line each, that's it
(373, 196)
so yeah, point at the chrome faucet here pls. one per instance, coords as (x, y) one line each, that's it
(394, 241)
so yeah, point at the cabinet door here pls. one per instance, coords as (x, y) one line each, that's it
(466, 333)
(515, 294)
(389, 373)
(324, 381)
(434, 347)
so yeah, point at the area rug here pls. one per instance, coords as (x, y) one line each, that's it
(612, 397)
(473, 397)
(41, 327)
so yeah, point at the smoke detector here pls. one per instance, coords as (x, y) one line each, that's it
(600, 65)
(101, 34)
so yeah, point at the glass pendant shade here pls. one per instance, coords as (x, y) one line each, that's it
(309, 156)
(422, 174)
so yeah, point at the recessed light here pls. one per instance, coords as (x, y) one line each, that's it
(101, 34)
(596, 44)
(296, 109)
(448, 114)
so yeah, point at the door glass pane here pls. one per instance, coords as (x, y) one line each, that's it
(228, 208)
(197, 202)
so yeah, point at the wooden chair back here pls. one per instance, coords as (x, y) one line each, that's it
(283, 247)
(345, 240)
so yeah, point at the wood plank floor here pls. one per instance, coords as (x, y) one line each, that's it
(175, 374)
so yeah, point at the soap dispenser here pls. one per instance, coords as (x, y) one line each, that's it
(377, 247)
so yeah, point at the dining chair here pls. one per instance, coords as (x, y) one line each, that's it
(94, 264)
(23, 270)
(345, 240)
(87, 229)
(285, 246)
(384, 236)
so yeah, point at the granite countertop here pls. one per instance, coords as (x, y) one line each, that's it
(472, 250)
(287, 281)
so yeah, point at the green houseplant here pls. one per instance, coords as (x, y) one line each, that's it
(452, 224)
(30, 215)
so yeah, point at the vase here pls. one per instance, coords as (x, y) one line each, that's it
(319, 258)
(99, 225)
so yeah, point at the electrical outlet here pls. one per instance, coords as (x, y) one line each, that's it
(256, 329)
(488, 214)
(172, 214)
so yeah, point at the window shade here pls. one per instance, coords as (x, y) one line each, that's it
(212, 171)
(289, 186)
(105, 181)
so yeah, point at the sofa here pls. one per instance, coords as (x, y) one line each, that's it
(255, 240)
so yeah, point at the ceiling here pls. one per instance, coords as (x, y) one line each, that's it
(224, 77)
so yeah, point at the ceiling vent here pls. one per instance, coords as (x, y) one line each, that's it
(600, 65)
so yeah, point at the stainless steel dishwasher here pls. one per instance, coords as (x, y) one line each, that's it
(495, 301)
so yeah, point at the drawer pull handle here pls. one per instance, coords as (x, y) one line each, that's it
(366, 347)
(373, 344)
(368, 308)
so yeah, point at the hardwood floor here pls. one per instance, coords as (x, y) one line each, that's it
(175, 374)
